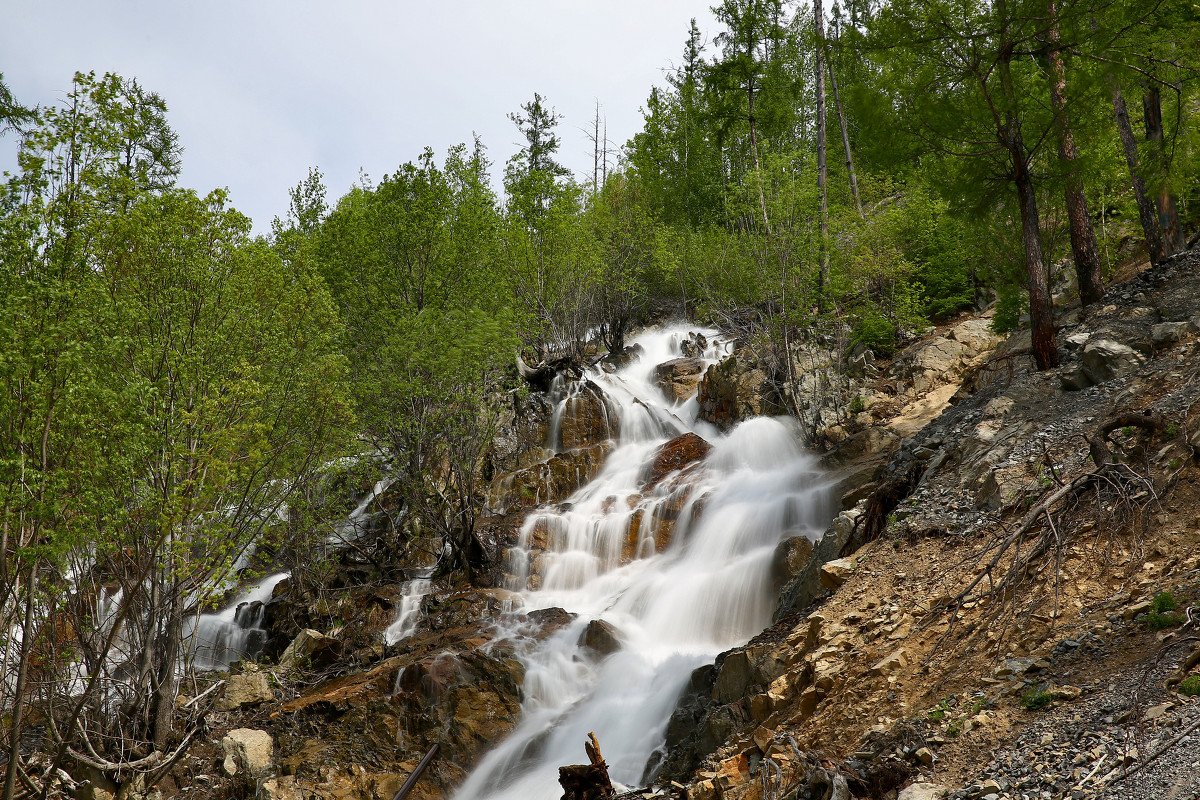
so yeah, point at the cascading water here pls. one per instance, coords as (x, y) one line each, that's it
(236, 631)
(708, 590)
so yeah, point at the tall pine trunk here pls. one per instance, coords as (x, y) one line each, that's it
(1168, 215)
(822, 173)
(1146, 210)
(1083, 237)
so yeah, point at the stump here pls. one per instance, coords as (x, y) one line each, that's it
(587, 781)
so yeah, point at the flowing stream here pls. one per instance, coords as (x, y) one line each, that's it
(709, 589)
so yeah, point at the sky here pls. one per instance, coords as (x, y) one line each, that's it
(259, 91)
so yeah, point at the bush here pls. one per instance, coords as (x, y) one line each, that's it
(1157, 622)
(1163, 602)
(1190, 686)
(1035, 699)
(876, 332)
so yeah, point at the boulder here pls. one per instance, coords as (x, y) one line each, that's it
(891, 663)
(600, 637)
(251, 751)
(680, 452)
(310, 649)
(791, 557)
(587, 418)
(1105, 359)
(679, 377)
(1170, 332)
(248, 689)
(729, 394)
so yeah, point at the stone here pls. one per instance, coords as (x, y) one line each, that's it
(1074, 378)
(922, 791)
(677, 454)
(1105, 359)
(1170, 332)
(728, 394)
(835, 573)
(587, 417)
(283, 788)
(791, 557)
(547, 482)
(310, 649)
(679, 378)
(924, 755)
(1158, 711)
(90, 791)
(1065, 692)
(601, 638)
(733, 677)
(251, 750)
(247, 689)
(891, 663)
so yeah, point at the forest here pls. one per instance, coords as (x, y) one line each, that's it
(175, 387)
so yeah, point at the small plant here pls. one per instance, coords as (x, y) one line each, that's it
(1170, 430)
(1190, 687)
(1128, 431)
(979, 705)
(938, 715)
(1157, 622)
(1035, 699)
(1163, 602)
(954, 728)
(1174, 464)
(857, 405)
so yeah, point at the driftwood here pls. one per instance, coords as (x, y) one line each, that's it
(587, 781)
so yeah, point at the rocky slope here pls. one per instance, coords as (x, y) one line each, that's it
(948, 635)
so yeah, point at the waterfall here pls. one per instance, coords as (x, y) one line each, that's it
(709, 589)
(236, 631)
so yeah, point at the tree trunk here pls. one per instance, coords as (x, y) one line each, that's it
(1146, 211)
(1168, 215)
(822, 173)
(762, 198)
(1041, 313)
(18, 710)
(1083, 237)
(167, 686)
(837, 104)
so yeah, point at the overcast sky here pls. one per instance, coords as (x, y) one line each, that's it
(260, 90)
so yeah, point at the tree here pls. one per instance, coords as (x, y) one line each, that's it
(964, 87)
(532, 174)
(1083, 237)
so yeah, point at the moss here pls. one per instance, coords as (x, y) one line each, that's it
(1035, 699)
(1190, 686)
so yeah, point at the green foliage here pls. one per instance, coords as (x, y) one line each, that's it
(876, 332)
(1190, 686)
(1035, 698)
(1163, 602)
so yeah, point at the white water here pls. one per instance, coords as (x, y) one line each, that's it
(234, 632)
(708, 591)
(408, 610)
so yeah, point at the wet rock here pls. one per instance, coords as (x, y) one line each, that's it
(310, 649)
(248, 689)
(729, 394)
(680, 452)
(282, 788)
(601, 638)
(791, 557)
(587, 418)
(1104, 359)
(251, 750)
(679, 377)
(548, 482)
(522, 433)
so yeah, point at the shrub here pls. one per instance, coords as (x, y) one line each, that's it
(1157, 622)
(1190, 686)
(876, 332)
(1035, 699)
(1163, 602)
